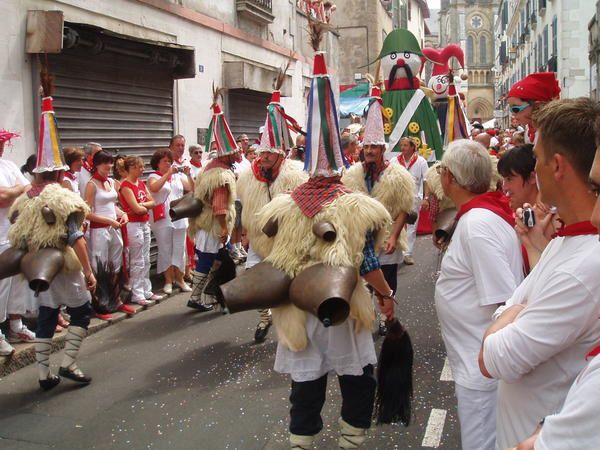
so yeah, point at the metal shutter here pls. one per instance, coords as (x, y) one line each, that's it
(247, 112)
(124, 104)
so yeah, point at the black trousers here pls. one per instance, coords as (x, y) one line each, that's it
(390, 273)
(48, 319)
(308, 397)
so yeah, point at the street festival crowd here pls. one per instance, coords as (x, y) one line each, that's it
(514, 213)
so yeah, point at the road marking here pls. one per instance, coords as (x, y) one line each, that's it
(446, 372)
(435, 427)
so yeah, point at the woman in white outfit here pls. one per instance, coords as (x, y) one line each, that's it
(169, 238)
(136, 201)
(106, 218)
(73, 159)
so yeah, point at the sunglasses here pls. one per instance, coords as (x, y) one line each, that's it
(518, 108)
(197, 152)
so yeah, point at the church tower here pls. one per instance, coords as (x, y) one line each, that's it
(470, 23)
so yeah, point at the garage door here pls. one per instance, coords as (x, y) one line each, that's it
(247, 111)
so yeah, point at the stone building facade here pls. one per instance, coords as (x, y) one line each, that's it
(470, 24)
(543, 35)
(131, 73)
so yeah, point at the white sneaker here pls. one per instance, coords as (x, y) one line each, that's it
(168, 289)
(183, 286)
(5, 348)
(23, 335)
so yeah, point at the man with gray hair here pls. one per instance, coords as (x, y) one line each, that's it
(85, 175)
(481, 268)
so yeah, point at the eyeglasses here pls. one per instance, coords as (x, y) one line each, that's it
(197, 152)
(518, 108)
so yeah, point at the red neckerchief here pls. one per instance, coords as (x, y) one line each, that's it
(195, 164)
(495, 202)
(576, 229)
(375, 170)
(160, 175)
(531, 133)
(36, 189)
(313, 195)
(101, 178)
(411, 161)
(402, 84)
(350, 158)
(70, 175)
(595, 351)
(260, 174)
(87, 164)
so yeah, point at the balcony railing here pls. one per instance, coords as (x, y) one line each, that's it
(260, 11)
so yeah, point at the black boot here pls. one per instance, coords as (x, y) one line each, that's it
(50, 382)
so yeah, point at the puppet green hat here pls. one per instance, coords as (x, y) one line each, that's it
(399, 41)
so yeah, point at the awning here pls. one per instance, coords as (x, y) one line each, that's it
(245, 75)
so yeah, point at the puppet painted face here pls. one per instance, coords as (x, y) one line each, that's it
(398, 65)
(439, 85)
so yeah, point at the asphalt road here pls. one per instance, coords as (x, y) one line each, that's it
(171, 378)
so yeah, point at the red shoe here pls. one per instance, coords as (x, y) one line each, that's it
(104, 316)
(126, 309)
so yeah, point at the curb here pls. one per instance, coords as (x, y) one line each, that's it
(24, 354)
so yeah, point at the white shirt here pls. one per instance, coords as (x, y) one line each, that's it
(177, 190)
(243, 164)
(83, 177)
(481, 268)
(417, 170)
(161, 197)
(575, 427)
(10, 176)
(538, 356)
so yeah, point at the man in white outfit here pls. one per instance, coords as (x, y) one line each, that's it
(417, 167)
(537, 346)
(480, 270)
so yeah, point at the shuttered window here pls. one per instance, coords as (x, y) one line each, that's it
(247, 112)
(124, 104)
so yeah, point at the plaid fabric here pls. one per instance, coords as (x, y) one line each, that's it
(370, 261)
(220, 201)
(434, 208)
(313, 195)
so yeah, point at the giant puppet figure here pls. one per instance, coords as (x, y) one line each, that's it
(443, 83)
(406, 108)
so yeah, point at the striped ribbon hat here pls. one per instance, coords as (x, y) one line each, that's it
(50, 156)
(219, 132)
(276, 135)
(323, 156)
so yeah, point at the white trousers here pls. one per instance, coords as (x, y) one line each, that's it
(106, 245)
(411, 230)
(477, 417)
(139, 260)
(171, 248)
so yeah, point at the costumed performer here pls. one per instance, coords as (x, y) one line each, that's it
(270, 174)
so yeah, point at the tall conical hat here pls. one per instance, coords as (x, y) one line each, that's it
(275, 137)
(374, 124)
(50, 157)
(323, 156)
(218, 130)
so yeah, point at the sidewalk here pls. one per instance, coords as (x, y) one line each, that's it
(25, 353)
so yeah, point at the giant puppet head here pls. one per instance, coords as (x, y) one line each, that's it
(400, 60)
(439, 82)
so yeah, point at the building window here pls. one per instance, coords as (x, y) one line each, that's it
(404, 13)
(482, 50)
(546, 43)
(554, 36)
(470, 45)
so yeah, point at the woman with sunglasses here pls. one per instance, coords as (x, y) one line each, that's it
(528, 95)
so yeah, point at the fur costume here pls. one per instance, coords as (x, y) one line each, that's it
(395, 189)
(255, 194)
(352, 215)
(206, 183)
(30, 231)
(434, 181)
